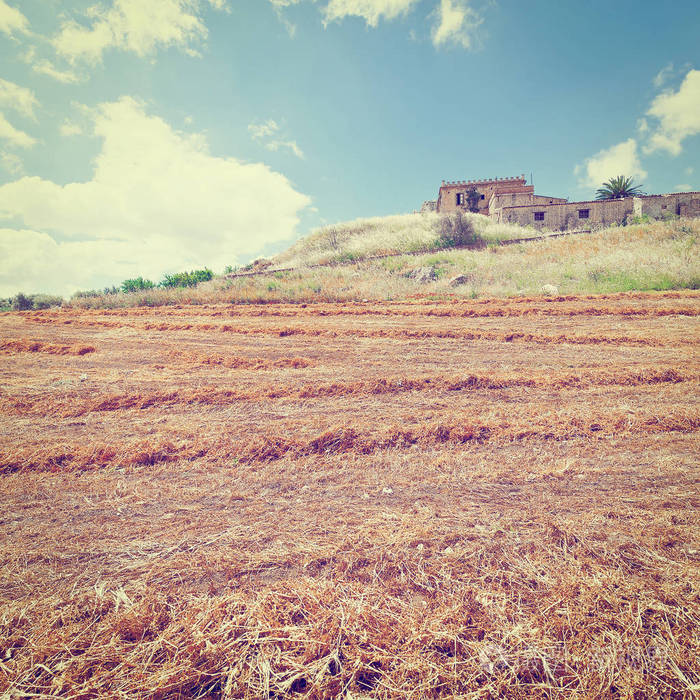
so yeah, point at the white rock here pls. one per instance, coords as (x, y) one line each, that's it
(549, 290)
(387, 490)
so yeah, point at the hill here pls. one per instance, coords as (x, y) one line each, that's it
(644, 257)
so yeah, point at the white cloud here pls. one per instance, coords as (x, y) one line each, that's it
(278, 144)
(158, 202)
(663, 75)
(369, 10)
(689, 170)
(11, 19)
(14, 136)
(264, 133)
(683, 188)
(69, 128)
(45, 67)
(264, 130)
(456, 24)
(678, 115)
(621, 159)
(11, 162)
(134, 25)
(21, 99)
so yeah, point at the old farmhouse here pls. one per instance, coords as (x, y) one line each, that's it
(512, 200)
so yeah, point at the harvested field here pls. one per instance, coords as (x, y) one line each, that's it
(417, 499)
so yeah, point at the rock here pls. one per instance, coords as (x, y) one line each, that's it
(422, 274)
(387, 490)
(549, 290)
(448, 550)
(83, 377)
(460, 279)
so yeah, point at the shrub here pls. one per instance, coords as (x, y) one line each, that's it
(46, 301)
(21, 302)
(137, 284)
(187, 279)
(456, 230)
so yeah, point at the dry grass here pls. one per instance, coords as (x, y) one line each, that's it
(657, 256)
(490, 498)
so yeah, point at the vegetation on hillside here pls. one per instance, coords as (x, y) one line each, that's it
(403, 233)
(654, 256)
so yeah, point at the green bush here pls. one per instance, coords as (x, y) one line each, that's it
(21, 302)
(138, 284)
(46, 301)
(456, 230)
(187, 279)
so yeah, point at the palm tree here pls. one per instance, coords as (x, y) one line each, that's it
(618, 188)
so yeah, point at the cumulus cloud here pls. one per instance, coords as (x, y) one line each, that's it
(678, 116)
(136, 26)
(369, 10)
(267, 134)
(43, 66)
(14, 136)
(69, 128)
(456, 24)
(21, 99)
(11, 162)
(663, 75)
(158, 202)
(620, 159)
(12, 20)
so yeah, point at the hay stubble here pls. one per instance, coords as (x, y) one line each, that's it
(393, 500)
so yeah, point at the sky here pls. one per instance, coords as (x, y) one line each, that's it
(149, 137)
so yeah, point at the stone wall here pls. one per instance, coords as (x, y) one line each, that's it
(597, 214)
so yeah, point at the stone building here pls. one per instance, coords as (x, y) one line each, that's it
(597, 213)
(512, 200)
(511, 191)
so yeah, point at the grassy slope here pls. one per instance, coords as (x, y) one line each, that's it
(656, 256)
(402, 233)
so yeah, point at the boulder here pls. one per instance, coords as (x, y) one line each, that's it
(422, 274)
(549, 290)
(459, 280)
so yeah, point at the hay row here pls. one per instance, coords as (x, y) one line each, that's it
(388, 310)
(270, 447)
(395, 333)
(20, 345)
(76, 404)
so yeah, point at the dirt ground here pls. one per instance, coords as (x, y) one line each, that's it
(487, 498)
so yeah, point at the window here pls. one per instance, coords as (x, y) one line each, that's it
(460, 199)
(512, 199)
(539, 216)
(483, 196)
(584, 213)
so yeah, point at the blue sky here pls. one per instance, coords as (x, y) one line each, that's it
(148, 137)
